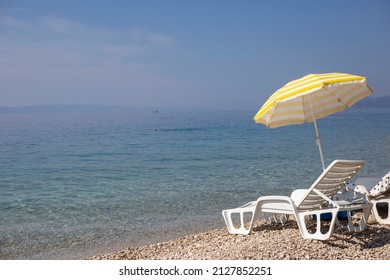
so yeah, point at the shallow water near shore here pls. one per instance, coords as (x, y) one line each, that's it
(77, 184)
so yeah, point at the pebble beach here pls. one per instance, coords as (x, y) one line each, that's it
(266, 242)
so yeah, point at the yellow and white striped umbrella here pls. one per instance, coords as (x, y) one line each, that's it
(312, 97)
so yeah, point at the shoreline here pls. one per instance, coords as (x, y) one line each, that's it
(267, 242)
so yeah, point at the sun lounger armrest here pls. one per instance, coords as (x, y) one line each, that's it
(298, 194)
(276, 204)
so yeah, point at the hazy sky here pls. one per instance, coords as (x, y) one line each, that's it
(218, 54)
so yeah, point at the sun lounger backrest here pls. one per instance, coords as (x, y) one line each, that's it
(368, 183)
(337, 175)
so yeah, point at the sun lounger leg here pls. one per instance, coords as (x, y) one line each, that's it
(359, 225)
(242, 212)
(363, 220)
(378, 218)
(317, 234)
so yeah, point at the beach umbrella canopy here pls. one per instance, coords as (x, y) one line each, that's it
(312, 97)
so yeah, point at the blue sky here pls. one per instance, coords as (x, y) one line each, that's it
(216, 54)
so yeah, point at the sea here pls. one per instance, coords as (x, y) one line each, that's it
(77, 184)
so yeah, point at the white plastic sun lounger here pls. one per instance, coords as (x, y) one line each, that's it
(379, 201)
(304, 203)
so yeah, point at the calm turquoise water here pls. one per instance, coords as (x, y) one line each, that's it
(74, 185)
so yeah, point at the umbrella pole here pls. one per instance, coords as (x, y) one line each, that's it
(318, 140)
